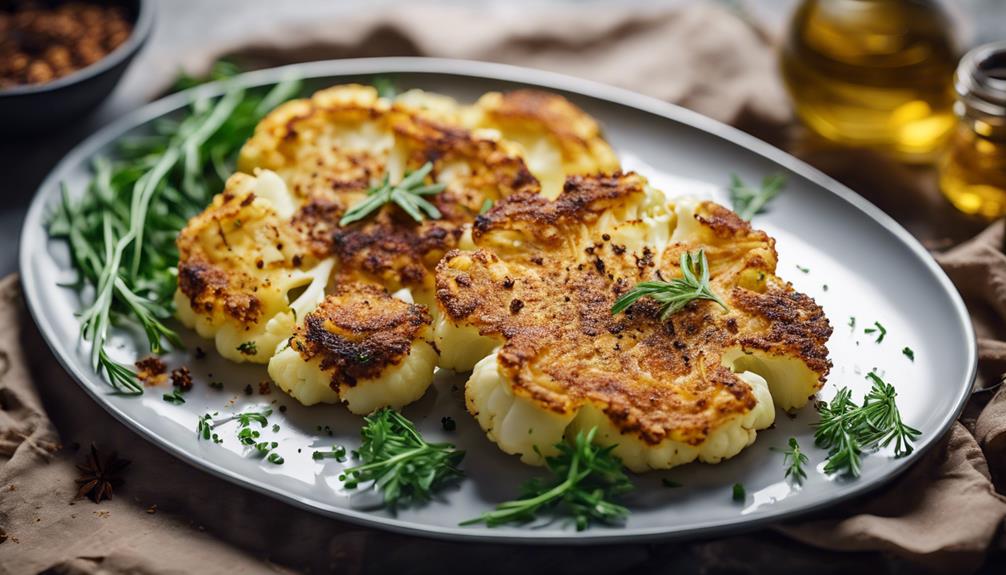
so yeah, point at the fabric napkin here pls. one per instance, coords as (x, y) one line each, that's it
(944, 515)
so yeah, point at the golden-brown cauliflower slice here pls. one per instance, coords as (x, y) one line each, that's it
(536, 296)
(361, 346)
(556, 138)
(239, 261)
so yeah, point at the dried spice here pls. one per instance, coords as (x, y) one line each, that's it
(181, 378)
(151, 370)
(40, 43)
(99, 476)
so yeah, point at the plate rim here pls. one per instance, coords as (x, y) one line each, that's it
(499, 72)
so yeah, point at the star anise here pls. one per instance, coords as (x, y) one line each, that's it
(99, 476)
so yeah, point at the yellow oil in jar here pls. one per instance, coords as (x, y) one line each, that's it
(973, 170)
(973, 174)
(873, 73)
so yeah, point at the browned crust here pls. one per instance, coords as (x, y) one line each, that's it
(207, 287)
(657, 379)
(358, 332)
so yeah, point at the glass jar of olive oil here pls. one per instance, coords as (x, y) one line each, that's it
(973, 171)
(873, 73)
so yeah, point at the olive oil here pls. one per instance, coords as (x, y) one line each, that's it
(873, 73)
(973, 171)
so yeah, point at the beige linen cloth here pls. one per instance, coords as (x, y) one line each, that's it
(944, 515)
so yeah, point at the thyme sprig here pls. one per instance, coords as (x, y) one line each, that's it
(794, 459)
(748, 201)
(677, 293)
(121, 231)
(586, 478)
(848, 430)
(402, 465)
(407, 194)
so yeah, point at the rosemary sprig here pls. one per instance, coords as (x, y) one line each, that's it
(121, 231)
(847, 429)
(794, 459)
(407, 194)
(677, 293)
(748, 201)
(586, 479)
(400, 463)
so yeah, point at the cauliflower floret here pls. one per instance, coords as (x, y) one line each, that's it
(240, 262)
(361, 346)
(521, 428)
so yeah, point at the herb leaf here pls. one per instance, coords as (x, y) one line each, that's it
(399, 462)
(677, 293)
(407, 194)
(586, 478)
(794, 460)
(909, 353)
(879, 329)
(748, 201)
(847, 429)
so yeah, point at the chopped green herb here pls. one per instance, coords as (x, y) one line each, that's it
(487, 205)
(748, 201)
(204, 427)
(794, 460)
(909, 353)
(274, 458)
(275, 428)
(824, 287)
(217, 385)
(677, 293)
(847, 429)
(385, 87)
(407, 194)
(738, 492)
(803, 269)
(585, 479)
(448, 423)
(852, 322)
(174, 397)
(337, 452)
(248, 348)
(879, 330)
(399, 462)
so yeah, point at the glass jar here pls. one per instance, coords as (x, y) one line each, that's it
(873, 73)
(973, 171)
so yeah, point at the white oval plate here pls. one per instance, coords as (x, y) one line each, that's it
(873, 269)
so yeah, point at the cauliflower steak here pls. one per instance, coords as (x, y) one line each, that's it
(530, 309)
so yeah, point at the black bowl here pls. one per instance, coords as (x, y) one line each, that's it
(36, 108)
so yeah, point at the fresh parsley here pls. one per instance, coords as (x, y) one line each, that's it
(400, 463)
(794, 459)
(407, 194)
(248, 348)
(586, 478)
(748, 201)
(909, 353)
(677, 293)
(846, 430)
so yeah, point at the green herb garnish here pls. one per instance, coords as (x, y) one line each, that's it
(803, 269)
(385, 87)
(794, 460)
(401, 464)
(487, 205)
(174, 397)
(122, 230)
(586, 477)
(909, 353)
(748, 201)
(337, 452)
(407, 194)
(847, 429)
(739, 494)
(879, 330)
(852, 322)
(677, 293)
(248, 348)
